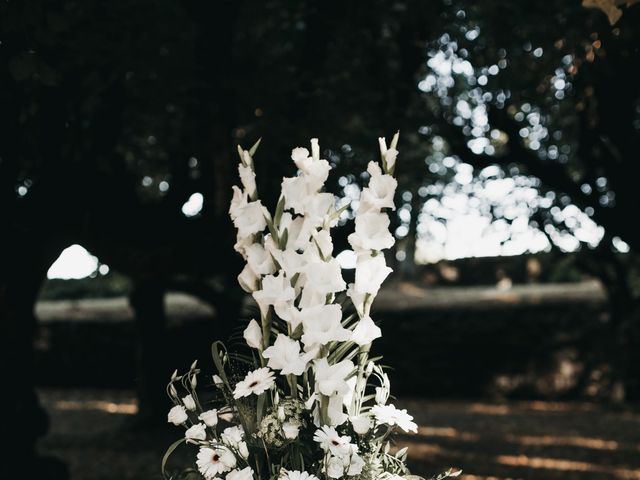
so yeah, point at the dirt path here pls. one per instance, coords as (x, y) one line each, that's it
(94, 431)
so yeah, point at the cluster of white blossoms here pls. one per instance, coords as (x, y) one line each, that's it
(306, 409)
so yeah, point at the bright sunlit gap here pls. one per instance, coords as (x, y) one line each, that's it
(76, 262)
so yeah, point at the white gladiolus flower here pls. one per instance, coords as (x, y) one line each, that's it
(334, 468)
(380, 192)
(259, 259)
(390, 158)
(389, 155)
(212, 462)
(331, 441)
(291, 315)
(251, 218)
(390, 415)
(323, 243)
(330, 379)
(322, 325)
(196, 432)
(318, 208)
(248, 179)
(383, 146)
(298, 231)
(297, 475)
(244, 474)
(276, 291)
(372, 232)
(253, 335)
(177, 415)
(358, 299)
(325, 277)
(292, 262)
(365, 332)
(242, 243)
(290, 430)
(238, 201)
(314, 169)
(255, 383)
(300, 156)
(189, 402)
(316, 173)
(370, 273)
(210, 417)
(361, 424)
(315, 149)
(296, 192)
(335, 409)
(285, 355)
(248, 280)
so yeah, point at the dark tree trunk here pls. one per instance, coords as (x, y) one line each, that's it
(24, 266)
(147, 301)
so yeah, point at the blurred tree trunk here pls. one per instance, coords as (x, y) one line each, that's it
(147, 301)
(24, 268)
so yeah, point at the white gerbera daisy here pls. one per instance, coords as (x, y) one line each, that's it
(297, 475)
(255, 383)
(244, 474)
(390, 415)
(331, 441)
(213, 461)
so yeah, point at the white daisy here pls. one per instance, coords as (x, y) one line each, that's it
(213, 461)
(331, 441)
(297, 475)
(390, 415)
(255, 383)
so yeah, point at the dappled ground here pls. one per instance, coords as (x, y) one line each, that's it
(95, 431)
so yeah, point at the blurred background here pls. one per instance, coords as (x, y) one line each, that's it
(512, 321)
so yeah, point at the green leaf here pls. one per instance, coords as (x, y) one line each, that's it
(168, 453)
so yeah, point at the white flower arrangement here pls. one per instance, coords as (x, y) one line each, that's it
(313, 404)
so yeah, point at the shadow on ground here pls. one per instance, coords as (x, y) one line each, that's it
(96, 433)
